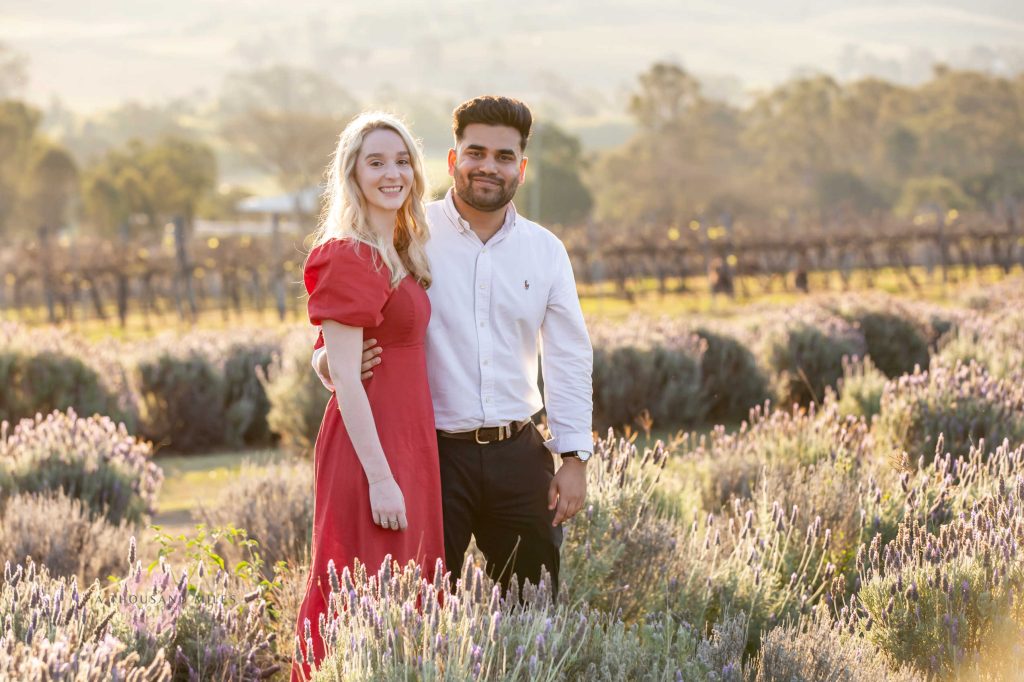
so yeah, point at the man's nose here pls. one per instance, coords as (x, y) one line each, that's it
(487, 165)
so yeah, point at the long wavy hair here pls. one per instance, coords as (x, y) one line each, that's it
(344, 212)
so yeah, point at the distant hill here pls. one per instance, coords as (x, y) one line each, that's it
(579, 57)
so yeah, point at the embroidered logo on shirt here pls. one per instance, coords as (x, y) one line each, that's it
(526, 284)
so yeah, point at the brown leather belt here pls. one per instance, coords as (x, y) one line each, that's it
(488, 434)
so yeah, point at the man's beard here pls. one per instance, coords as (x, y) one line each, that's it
(490, 201)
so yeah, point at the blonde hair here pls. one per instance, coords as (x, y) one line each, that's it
(344, 213)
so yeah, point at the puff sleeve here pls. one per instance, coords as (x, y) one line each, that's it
(345, 285)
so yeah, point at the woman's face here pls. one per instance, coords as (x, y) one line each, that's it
(384, 170)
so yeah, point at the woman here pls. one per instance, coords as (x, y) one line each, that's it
(378, 490)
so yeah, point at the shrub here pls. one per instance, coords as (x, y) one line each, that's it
(90, 459)
(804, 350)
(297, 398)
(733, 381)
(378, 632)
(945, 594)
(182, 395)
(860, 389)
(153, 626)
(815, 650)
(995, 343)
(274, 505)
(963, 404)
(45, 370)
(731, 463)
(896, 337)
(245, 399)
(615, 552)
(59, 532)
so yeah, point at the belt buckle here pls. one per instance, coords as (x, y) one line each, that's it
(504, 433)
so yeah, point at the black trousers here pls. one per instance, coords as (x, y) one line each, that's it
(498, 493)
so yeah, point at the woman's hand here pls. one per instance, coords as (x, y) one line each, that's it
(388, 504)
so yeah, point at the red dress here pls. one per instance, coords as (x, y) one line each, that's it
(344, 285)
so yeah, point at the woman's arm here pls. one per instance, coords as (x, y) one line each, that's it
(344, 357)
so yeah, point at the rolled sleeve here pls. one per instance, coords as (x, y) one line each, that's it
(567, 363)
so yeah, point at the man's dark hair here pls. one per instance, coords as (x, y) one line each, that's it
(494, 111)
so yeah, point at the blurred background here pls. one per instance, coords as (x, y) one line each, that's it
(166, 158)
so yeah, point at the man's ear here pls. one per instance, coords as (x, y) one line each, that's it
(452, 158)
(522, 170)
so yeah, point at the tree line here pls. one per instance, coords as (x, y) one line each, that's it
(808, 162)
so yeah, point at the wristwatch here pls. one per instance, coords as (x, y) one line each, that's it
(581, 455)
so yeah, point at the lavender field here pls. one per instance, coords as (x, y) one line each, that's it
(843, 499)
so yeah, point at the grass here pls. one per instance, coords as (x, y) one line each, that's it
(192, 480)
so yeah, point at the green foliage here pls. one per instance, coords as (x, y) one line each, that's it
(733, 381)
(956, 405)
(554, 193)
(63, 534)
(944, 594)
(275, 507)
(805, 350)
(182, 399)
(662, 381)
(90, 459)
(935, 193)
(45, 381)
(246, 403)
(297, 398)
(861, 388)
(896, 341)
(815, 650)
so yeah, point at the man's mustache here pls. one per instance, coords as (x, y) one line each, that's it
(484, 176)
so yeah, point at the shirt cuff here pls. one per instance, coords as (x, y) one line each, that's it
(570, 442)
(326, 381)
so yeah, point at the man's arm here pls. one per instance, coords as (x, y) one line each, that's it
(567, 362)
(371, 358)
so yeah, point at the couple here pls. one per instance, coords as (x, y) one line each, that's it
(431, 349)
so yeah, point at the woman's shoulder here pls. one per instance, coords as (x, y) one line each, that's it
(346, 256)
(345, 252)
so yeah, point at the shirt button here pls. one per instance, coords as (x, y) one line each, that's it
(483, 324)
(487, 362)
(483, 286)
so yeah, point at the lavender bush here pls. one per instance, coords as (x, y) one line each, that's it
(43, 370)
(154, 624)
(961, 403)
(816, 650)
(945, 594)
(88, 458)
(895, 336)
(297, 398)
(804, 349)
(376, 631)
(59, 532)
(274, 505)
(861, 388)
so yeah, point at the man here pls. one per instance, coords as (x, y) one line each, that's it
(500, 284)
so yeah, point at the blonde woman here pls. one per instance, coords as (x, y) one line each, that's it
(377, 478)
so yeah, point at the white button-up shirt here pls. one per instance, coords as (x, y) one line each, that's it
(495, 308)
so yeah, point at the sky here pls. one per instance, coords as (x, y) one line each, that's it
(93, 55)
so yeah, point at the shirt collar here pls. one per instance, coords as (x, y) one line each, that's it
(462, 225)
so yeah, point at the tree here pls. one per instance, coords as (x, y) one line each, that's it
(19, 125)
(13, 72)
(285, 119)
(682, 159)
(554, 193)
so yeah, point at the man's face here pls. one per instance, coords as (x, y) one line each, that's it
(487, 166)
